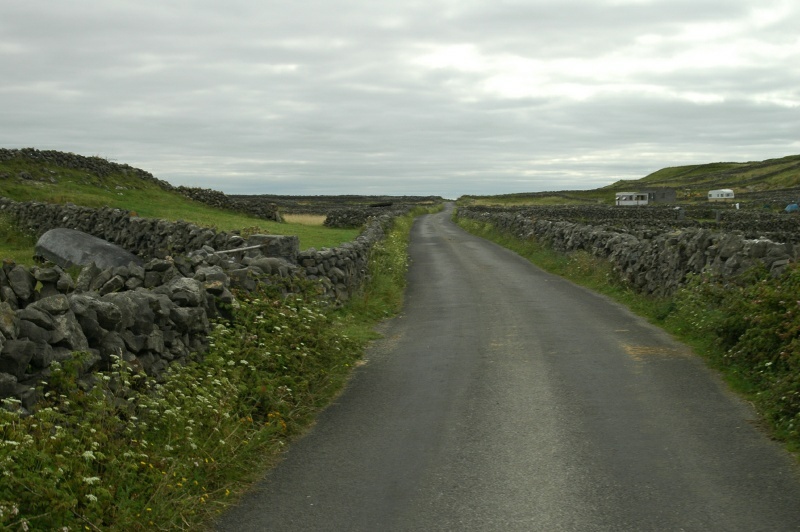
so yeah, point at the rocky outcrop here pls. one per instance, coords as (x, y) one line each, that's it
(68, 247)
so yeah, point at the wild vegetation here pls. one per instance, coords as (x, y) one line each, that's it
(748, 328)
(133, 453)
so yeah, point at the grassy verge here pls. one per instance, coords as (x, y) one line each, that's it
(15, 245)
(133, 453)
(748, 328)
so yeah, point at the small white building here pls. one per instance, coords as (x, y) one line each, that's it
(632, 198)
(720, 195)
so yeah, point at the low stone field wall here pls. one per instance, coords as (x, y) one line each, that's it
(146, 237)
(752, 222)
(653, 255)
(252, 205)
(150, 315)
(358, 216)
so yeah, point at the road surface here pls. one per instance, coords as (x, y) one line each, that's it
(507, 399)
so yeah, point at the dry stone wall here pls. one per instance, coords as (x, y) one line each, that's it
(358, 216)
(146, 237)
(752, 222)
(252, 205)
(344, 269)
(653, 258)
(153, 314)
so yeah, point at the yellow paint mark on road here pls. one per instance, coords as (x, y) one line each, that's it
(640, 352)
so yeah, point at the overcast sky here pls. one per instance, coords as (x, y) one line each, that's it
(402, 97)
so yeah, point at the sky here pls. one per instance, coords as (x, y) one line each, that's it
(402, 97)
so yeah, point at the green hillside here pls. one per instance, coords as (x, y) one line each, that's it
(750, 181)
(57, 177)
(772, 174)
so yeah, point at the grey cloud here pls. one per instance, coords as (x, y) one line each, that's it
(315, 97)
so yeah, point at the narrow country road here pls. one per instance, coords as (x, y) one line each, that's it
(507, 399)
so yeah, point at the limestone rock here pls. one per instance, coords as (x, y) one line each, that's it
(68, 247)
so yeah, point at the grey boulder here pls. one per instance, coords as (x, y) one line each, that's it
(68, 247)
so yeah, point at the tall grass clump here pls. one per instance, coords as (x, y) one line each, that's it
(747, 327)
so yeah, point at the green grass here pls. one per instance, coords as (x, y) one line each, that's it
(383, 296)
(15, 245)
(136, 454)
(747, 328)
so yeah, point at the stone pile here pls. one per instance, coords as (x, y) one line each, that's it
(150, 315)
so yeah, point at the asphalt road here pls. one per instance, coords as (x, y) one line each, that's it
(507, 399)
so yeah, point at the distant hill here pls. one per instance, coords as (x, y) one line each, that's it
(772, 174)
(772, 180)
